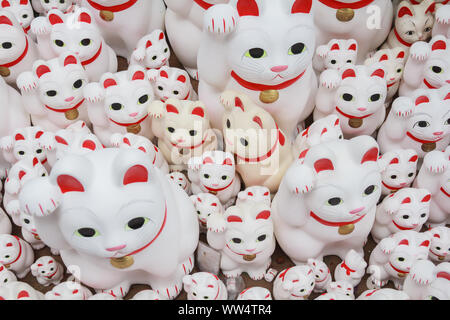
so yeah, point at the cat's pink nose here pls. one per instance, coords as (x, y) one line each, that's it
(278, 68)
(180, 140)
(33, 230)
(134, 114)
(448, 81)
(438, 133)
(69, 99)
(116, 248)
(215, 184)
(362, 109)
(357, 210)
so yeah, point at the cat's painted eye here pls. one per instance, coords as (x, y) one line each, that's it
(27, 221)
(236, 240)
(334, 201)
(422, 124)
(59, 43)
(136, 223)
(47, 1)
(21, 153)
(401, 259)
(423, 215)
(224, 177)
(436, 69)
(154, 57)
(369, 190)
(43, 175)
(51, 93)
(6, 45)
(297, 48)
(228, 124)
(333, 61)
(347, 97)
(448, 121)
(166, 49)
(85, 42)
(206, 176)
(399, 70)
(375, 97)
(349, 61)
(244, 142)
(409, 33)
(62, 1)
(25, 16)
(77, 84)
(143, 99)
(341, 136)
(193, 133)
(432, 298)
(175, 92)
(87, 232)
(262, 237)
(394, 176)
(198, 212)
(410, 174)
(256, 53)
(170, 129)
(116, 106)
(438, 248)
(405, 217)
(160, 88)
(303, 290)
(39, 151)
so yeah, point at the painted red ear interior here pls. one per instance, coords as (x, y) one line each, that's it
(84, 17)
(413, 158)
(171, 108)
(439, 45)
(404, 242)
(247, 8)
(5, 20)
(426, 243)
(349, 73)
(394, 161)
(335, 46)
(198, 111)
(301, 6)
(238, 103)
(371, 155)
(70, 60)
(109, 82)
(323, 165)
(352, 47)
(161, 36)
(263, 215)
(54, 19)
(426, 198)
(404, 11)
(181, 78)
(227, 162)
(406, 200)
(68, 183)
(401, 55)
(136, 173)
(138, 75)
(422, 99)
(19, 136)
(148, 44)
(61, 140)
(89, 144)
(163, 74)
(234, 219)
(38, 134)
(207, 160)
(258, 121)
(41, 70)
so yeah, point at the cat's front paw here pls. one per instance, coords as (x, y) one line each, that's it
(221, 19)
(39, 197)
(443, 15)
(152, 74)
(422, 272)
(93, 92)
(156, 109)
(403, 107)
(12, 186)
(13, 208)
(26, 82)
(48, 141)
(420, 51)
(116, 140)
(216, 223)
(7, 143)
(195, 163)
(228, 99)
(322, 51)
(139, 54)
(40, 26)
(330, 79)
(300, 179)
(387, 245)
(436, 162)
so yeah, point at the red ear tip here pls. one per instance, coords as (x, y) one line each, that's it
(70, 60)
(263, 215)
(301, 6)
(138, 75)
(109, 82)
(426, 198)
(323, 165)
(198, 111)
(234, 219)
(247, 8)
(171, 108)
(394, 161)
(136, 173)
(164, 74)
(371, 155)
(68, 183)
(348, 73)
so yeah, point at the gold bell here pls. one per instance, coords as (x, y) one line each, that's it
(249, 257)
(345, 14)
(429, 146)
(37, 237)
(5, 72)
(71, 114)
(401, 275)
(346, 229)
(122, 263)
(134, 128)
(355, 122)
(269, 96)
(107, 15)
(441, 258)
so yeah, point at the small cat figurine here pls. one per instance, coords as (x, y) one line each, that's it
(68, 290)
(180, 179)
(383, 294)
(16, 255)
(295, 283)
(204, 286)
(413, 22)
(77, 32)
(207, 205)
(255, 293)
(351, 269)
(53, 92)
(47, 271)
(254, 194)
(215, 172)
(172, 83)
(22, 11)
(398, 169)
(338, 290)
(118, 104)
(152, 51)
(18, 290)
(335, 54)
(6, 276)
(393, 63)
(440, 244)
(322, 275)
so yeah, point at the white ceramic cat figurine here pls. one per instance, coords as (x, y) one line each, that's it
(152, 51)
(427, 66)
(29, 232)
(18, 50)
(5, 223)
(338, 290)
(68, 290)
(440, 244)
(393, 257)
(183, 130)
(351, 269)
(215, 172)
(77, 32)
(413, 22)
(434, 175)
(113, 254)
(22, 10)
(262, 150)
(420, 122)
(262, 49)
(393, 62)
(398, 169)
(6, 276)
(245, 239)
(16, 255)
(356, 94)
(322, 275)
(47, 271)
(254, 194)
(204, 286)
(206, 205)
(383, 294)
(18, 290)
(134, 141)
(295, 283)
(255, 293)
(118, 104)
(335, 54)
(407, 209)
(53, 92)
(172, 83)
(319, 210)
(180, 179)
(124, 22)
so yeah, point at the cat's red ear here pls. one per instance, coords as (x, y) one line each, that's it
(23, 2)
(335, 46)
(404, 11)
(439, 45)
(301, 6)
(207, 160)
(181, 78)
(5, 20)
(336, 123)
(238, 103)
(54, 19)
(21, 174)
(263, 215)
(136, 173)
(426, 198)
(348, 73)
(404, 242)
(67, 183)
(431, 8)
(164, 74)
(378, 73)
(148, 44)
(171, 108)
(41, 70)
(85, 17)
(19, 136)
(38, 134)
(109, 83)
(426, 243)
(198, 111)
(247, 8)
(5, 4)
(234, 219)
(401, 55)
(258, 121)
(323, 165)
(421, 99)
(161, 36)
(383, 57)
(406, 200)
(394, 161)
(70, 60)
(413, 158)
(89, 144)
(352, 47)
(61, 140)
(35, 161)
(370, 155)
(138, 75)
(227, 162)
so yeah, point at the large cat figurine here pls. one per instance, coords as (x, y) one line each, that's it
(186, 17)
(152, 216)
(58, 33)
(327, 200)
(124, 22)
(171, 83)
(241, 50)
(22, 10)
(368, 22)
(335, 54)
(53, 92)
(152, 51)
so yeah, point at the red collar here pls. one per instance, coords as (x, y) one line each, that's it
(403, 42)
(389, 187)
(409, 134)
(220, 189)
(341, 5)
(128, 124)
(428, 84)
(191, 147)
(400, 227)
(64, 110)
(348, 271)
(280, 139)
(398, 270)
(445, 192)
(24, 53)
(203, 4)
(18, 255)
(334, 224)
(242, 254)
(264, 87)
(350, 116)
(117, 8)
(51, 276)
(27, 29)
(89, 61)
(390, 85)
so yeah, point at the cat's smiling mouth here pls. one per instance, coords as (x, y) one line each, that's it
(278, 75)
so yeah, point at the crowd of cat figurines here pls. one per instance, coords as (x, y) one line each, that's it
(186, 145)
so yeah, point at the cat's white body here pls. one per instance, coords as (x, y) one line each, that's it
(262, 49)
(147, 295)
(244, 236)
(335, 54)
(215, 172)
(369, 24)
(47, 271)
(434, 175)
(68, 290)
(398, 169)
(152, 51)
(427, 66)
(322, 275)
(351, 269)
(440, 244)
(407, 209)
(5, 223)
(204, 286)
(356, 94)
(22, 10)
(131, 20)
(255, 293)
(295, 283)
(118, 104)
(383, 294)
(125, 250)
(420, 122)
(172, 83)
(207, 205)
(180, 179)
(394, 256)
(18, 290)
(53, 92)
(17, 255)
(338, 290)
(319, 210)
(77, 32)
